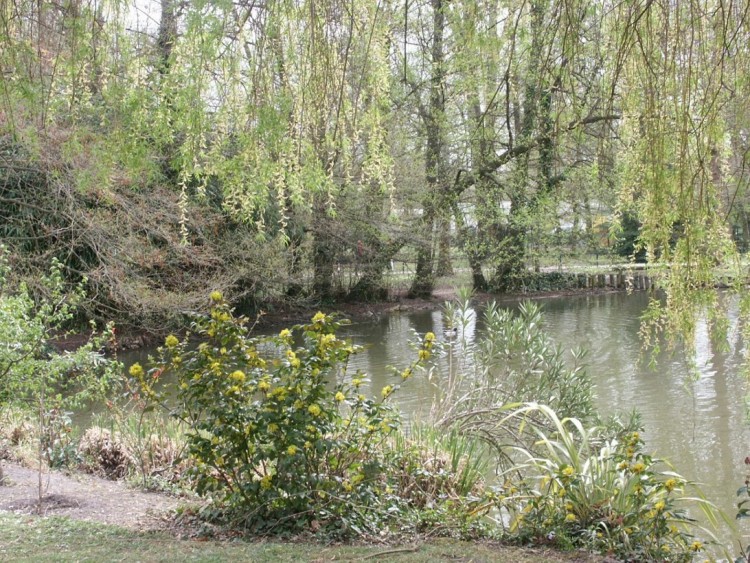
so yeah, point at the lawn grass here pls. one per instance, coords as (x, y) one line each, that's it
(31, 538)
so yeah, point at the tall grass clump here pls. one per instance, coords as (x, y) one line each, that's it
(510, 360)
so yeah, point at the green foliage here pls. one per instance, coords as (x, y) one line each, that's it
(513, 360)
(583, 487)
(35, 375)
(271, 440)
(627, 241)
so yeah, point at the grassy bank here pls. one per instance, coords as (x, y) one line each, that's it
(30, 538)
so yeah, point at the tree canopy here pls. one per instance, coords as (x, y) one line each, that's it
(262, 147)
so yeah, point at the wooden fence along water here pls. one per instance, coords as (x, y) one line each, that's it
(615, 280)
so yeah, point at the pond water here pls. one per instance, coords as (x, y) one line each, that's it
(698, 424)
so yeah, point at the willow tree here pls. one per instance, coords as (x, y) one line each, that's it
(527, 85)
(190, 148)
(288, 117)
(683, 76)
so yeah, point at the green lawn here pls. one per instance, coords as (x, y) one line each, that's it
(30, 538)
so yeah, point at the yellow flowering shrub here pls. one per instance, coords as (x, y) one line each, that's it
(273, 438)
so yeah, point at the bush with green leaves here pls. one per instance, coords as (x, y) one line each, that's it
(277, 435)
(35, 375)
(584, 487)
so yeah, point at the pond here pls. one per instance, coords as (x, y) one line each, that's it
(698, 424)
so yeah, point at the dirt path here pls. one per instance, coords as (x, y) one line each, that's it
(85, 497)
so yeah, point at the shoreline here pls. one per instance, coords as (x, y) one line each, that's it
(287, 315)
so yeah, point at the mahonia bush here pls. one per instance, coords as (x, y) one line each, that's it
(273, 441)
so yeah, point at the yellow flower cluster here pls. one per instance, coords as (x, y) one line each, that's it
(171, 341)
(136, 370)
(293, 359)
(279, 393)
(318, 318)
(222, 316)
(238, 376)
(340, 396)
(314, 410)
(327, 339)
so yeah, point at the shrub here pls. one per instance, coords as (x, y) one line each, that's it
(603, 493)
(271, 439)
(36, 376)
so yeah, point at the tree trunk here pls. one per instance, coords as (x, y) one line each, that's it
(511, 251)
(165, 42)
(424, 275)
(167, 34)
(511, 266)
(294, 253)
(444, 263)
(370, 286)
(468, 242)
(434, 117)
(323, 259)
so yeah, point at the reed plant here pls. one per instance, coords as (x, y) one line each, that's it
(508, 359)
